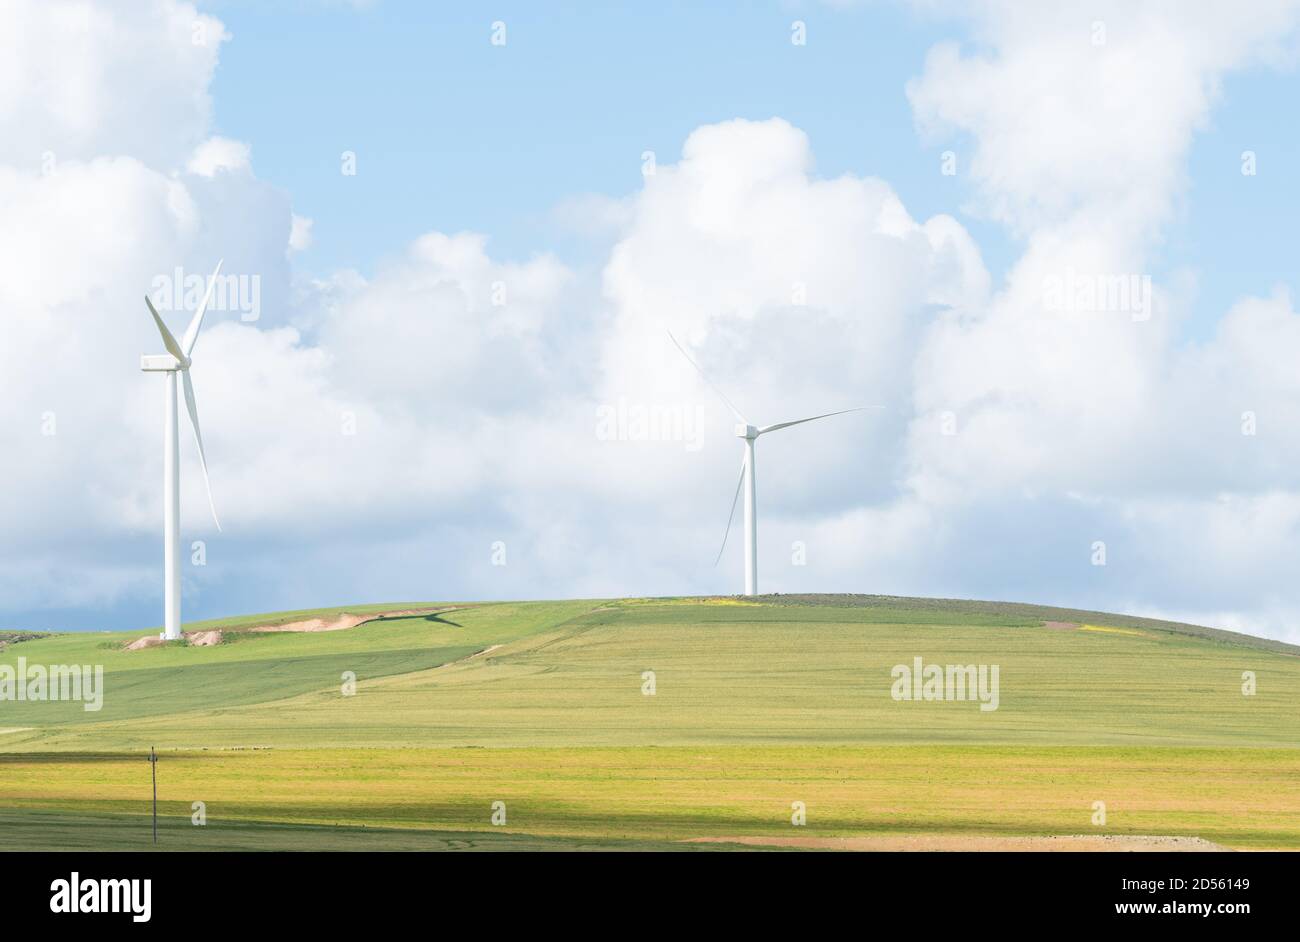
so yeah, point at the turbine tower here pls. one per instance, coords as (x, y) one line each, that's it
(177, 360)
(750, 434)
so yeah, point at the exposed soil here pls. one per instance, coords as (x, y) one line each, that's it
(203, 639)
(199, 639)
(964, 842)
(1061, 625)
(345, 620)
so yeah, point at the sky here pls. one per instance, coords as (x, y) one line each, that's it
(458, 233)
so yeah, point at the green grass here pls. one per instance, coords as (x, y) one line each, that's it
(756, 705)
(254, 668)
(64, 830)
(1008, 612)
(1245, 798)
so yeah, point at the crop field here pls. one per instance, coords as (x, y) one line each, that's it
(690, 724)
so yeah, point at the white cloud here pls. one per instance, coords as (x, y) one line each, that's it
(593, 215)
(1082, 149)
(1088, 109)
(80, 79)
(798, 295)
(219, 154)
(300, 237)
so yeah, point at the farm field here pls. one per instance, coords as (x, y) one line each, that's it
(653, 723)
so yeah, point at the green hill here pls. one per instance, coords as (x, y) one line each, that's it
(755, 705)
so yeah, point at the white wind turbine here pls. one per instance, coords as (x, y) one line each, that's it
(177, 360)
(750, 434)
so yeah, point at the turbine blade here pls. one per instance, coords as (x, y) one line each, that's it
(812, 418)
(744, 459)
(192, 332)
(721, 394)
(168, 340)
(198, 440)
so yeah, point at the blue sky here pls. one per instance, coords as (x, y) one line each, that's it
(128, 150)
(455, 134)
(1239, 231)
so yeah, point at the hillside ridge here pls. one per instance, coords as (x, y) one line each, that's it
(1032, 610)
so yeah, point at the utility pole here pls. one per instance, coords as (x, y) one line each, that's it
(153, 767)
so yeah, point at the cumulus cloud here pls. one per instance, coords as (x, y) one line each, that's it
(218, 154)
(1080, 126)
(1088, 109)
(300, 233)
(81, 79)
(798, 295)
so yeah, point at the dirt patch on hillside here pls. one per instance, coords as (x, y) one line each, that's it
(966, 842)
(343, 621)
(199, 639)
(203, 639)
(1061, 625)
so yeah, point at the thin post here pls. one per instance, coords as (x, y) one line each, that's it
(153, 767)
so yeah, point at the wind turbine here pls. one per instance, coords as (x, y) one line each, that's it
(746, 483)
(177, 360)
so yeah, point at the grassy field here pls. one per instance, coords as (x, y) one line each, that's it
(756, 706)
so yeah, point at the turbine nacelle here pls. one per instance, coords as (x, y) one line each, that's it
(161, 363)
(747, 431)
